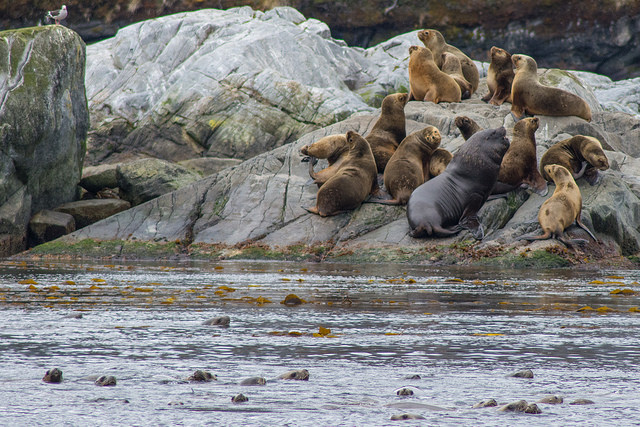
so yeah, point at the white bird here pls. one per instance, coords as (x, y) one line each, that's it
(58, 15)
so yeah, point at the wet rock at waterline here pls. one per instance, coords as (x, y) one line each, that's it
(48, 225)
(86, 212)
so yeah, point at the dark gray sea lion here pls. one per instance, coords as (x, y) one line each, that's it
(202, 377)
(404, 392)
(254, 381)
(401, 417)
(218, 321)
(106, 381)
(53, 376)
(525, 373)
(449, 203)
(486, 404)
(582, 402)
(239, 398)
(295, 374)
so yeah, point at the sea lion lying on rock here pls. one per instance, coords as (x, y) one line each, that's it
(449, 203)
(581, 155)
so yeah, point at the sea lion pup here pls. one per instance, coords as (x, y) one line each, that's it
(333, 148)
(451, 65)
(354, 180)
(562, 209)
(450, 202)
(499, 77)
(439, 161)
(427, 82)
(467, 126)
(581, 155)
(389, 130)
(519, 166)
(409, 165)
(435, 41)
(531, 97)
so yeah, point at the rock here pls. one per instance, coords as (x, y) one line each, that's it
(582, 402)
(517, 406)
(551, 399)
(53, 376)
(486, 404)
(95, 178)
(42, 154)
(525, 373)
(218, 321)
(87, 212)
(239, 398)
(48, 225)
(399, 417)
(295, 374)
(146, 179)
(202, 377)
(206, 166)
(254, 381)
(227, 89)
(106, 381)
(404, 392)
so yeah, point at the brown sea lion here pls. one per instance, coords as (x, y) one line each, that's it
(439, 161)
(467, 126)
(435, 41)
(295, 374)
(531, 97)
(499, 77)
(551, 399)
(333, 148)
(239, 398)
(53, 376)
(254, 381)
(409, 165)
(451, 65)
(450, 202)
(562, 209)
(354, 180)
(485, 404)
(106, 381)
(519, 166)
(200, 376)
(389, 130)
(581, 155)
(427, 82)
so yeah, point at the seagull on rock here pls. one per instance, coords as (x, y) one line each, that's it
(58, 15)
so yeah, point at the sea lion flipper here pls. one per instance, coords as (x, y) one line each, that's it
(585, 228)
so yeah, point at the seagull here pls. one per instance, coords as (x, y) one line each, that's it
(58, 15)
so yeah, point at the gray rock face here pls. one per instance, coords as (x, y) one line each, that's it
(86, 212)
(48, 225)
(43, 125)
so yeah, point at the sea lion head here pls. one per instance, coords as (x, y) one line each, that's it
(557, 172)
(419, 51)
(526, 126)
(431, 38)
(593, 153)
(394, 102)
(357, 144)
(500, 56)
(524, 62)
(431, 137)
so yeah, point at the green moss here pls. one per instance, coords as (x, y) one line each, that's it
(219, 205)
(89, 248)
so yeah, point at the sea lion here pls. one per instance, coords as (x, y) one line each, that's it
(439, 161)
(409, 165)
(499, 77)
(389, 130)
(106, 381)
(520, 164)
(467, 126)
(254, 381)
(562, 209)
(218, 321)
(435, 41)
(451, 65)
(239, 398)
(53, 376)
(427, 82)
(354, 180)
(551, 399)
(404, 392)
(200, 376)
(295, 374)
(581, 155)
(450, 202)
(331, 147)
(517, 406)
(531, 97)
(406, 416)
(485, 404)
(525, 373)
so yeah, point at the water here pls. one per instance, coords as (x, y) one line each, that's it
(462, 330)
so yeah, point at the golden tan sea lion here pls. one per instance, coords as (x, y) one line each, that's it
(562, 209)
(499, 77)
(439, 161)
(427, 82)
(435, 41)
(467, 126)
(409, 165)
(389, 130)
(581, 155)
(333, 148)
(354, 180)
(452, 66)
(531, 97)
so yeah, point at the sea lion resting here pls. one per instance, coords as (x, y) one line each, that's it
(389, 130)
(499, 77)
(562, 209)
(427, 82)
(334, 148)
(451, 65)
(581, 155)
(449, 203)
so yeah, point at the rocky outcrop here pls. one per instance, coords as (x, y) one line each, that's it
(43, 125)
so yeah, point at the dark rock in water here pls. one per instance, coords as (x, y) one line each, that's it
(239, 398)
(53, 376)
(532, 408)
(401, 417)
(295, 374)
(405, 392)
(292, 300)
(551, 399)
(525, 373)
(218, 321)
(254, 381)
(202, 376)
(106, 381)
(582, 402)
(86, 212)
(517, 406)
(486, 404)
(413, 377)
(48, 225)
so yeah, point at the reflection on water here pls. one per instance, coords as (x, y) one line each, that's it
(462, 330)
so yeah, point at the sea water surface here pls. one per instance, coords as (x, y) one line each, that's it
(361, 332)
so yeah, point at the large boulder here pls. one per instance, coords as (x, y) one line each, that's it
(43, 125)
